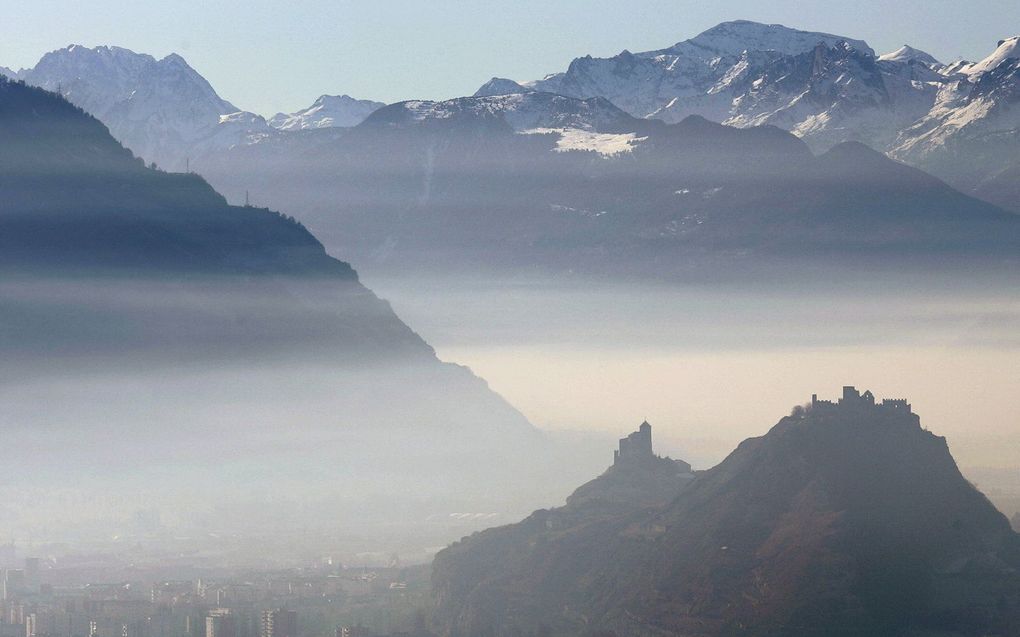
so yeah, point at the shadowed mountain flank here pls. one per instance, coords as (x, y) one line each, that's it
(536, 182)
(846, 518)
(237, 327)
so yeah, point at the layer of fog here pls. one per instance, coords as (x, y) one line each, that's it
(276, 437)
(711, 365)
(227, 407)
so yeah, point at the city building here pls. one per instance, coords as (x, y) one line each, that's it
(220, 623)
(278, 623)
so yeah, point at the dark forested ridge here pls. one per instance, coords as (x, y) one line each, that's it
(73, 196)
(841, 520)
(75, 204)
(112, 267)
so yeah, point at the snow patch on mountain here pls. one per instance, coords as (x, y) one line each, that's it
(966, 113)
(907, 53)
(573, 139)
(1007, 49)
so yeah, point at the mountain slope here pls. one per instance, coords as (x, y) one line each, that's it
(546, 182)
(971, 135)
(500, 86)
(824, 88)
(844, 519)
(695, 76)
(163, 110)
(907, 53)
(118, 276)
(66, 179)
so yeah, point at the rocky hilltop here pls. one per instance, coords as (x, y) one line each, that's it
(637, 477)
(846, 518)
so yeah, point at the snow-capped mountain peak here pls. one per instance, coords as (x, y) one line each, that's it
(696, 76)
(500, 86)
(93, 78)
(733, 38)
(327, 111)
(826, 89)
(99, 78)
(907, 53)
(163, 110)
(1007, 49)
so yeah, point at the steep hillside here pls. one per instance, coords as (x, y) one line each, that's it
(73, 196)
(149, 280)
(845, 519)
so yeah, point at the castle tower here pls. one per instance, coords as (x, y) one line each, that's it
(636, 446)
(644, 440)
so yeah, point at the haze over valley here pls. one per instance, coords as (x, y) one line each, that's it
(364, 369)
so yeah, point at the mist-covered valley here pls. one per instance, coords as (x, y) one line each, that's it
(703, 362)
(161, 345)
(395, 369)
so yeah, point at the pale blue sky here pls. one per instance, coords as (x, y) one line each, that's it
(270, 56)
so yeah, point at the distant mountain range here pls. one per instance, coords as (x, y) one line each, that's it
(536, 180)
(163, 110)
(844, 519)
(955, 120)
(958, 121)
(578, 172)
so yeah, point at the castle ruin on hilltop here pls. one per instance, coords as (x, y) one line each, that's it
(636, 450)
(636, 446)
(853, 399)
